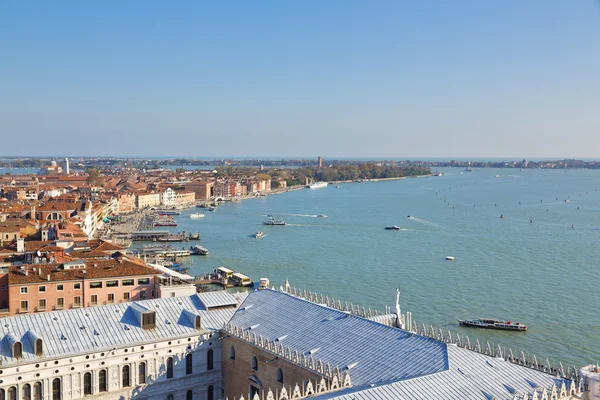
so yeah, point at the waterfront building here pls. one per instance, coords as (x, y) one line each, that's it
(202, 189)
(167, 198)
(185, 198)
(147, 199)
(39, 287)
(268, 344)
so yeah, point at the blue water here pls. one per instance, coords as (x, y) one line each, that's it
(544, 274)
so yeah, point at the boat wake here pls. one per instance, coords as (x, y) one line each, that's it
(297, 215)
(421, 221)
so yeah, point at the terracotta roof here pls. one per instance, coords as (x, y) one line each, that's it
(97, 269)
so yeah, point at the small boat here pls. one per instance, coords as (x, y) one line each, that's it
(450, 258)
(258, 234)
(317, 185)
(273, 221)
(197, 216)
(497, 176)
(211, 208)
(338, 186)
(392, 228)
(263, 283)
(492, 324)
(199, 250)
(468, 169)
(321, 216)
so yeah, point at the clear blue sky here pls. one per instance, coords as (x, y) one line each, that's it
(346, 78)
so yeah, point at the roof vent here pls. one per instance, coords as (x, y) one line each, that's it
(350, 366)
(313, 351)
(280, 338)
(253, 327)
(96, 333)
(63, 337)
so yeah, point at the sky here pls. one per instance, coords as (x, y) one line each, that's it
(343, 78)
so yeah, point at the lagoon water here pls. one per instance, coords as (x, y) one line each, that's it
(543, 273)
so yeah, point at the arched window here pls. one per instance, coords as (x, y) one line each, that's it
(142, 373)
(125, 376)
(37, 391)
(27, 391)
(37, 347)
(2, 394)
(254, 363)
(17, 350)
(102, 384)
(231, 353)
(210, 393)
(169, 367)
(87, 383)
(189, 395)
(279, 375)
(12, 393)
(209, 360)
(188, 363)
(56, 389)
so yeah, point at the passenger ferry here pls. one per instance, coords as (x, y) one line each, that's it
(273, 221)
(492, 324)
(317, 185)
(199, 250)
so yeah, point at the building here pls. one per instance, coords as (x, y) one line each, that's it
(202, 189)
(185, 198)
(125, 203)
(147, 199)
(266, 344)
(40, 287)
(154, 349)
(167, 198)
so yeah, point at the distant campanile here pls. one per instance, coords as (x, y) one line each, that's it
(320, 161)
(67, 166)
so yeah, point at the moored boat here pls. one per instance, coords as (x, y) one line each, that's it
(263, 283)
(199, 250)
(492, 324)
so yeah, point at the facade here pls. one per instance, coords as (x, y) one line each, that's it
(125, 203)
(202, 189)
(167, 198)
(147, 199)
(185, 198)
(41, 287)
(154, 349)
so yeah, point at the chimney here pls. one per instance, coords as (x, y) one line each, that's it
(48, 277)
(20, 245)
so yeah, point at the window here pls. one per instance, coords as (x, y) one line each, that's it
(60, 287)
(126, 380)
(111, 298)
(37, 391)
(231, 353)
(209, 360)
(27, 391)
(12, 393)
(42, 289)
(24, 290)
(56, 386)
(3, 287)
(94, 299)
(127, 282)
(87, 384)
(126, 296)
(172, 294)
(60, 302)
(41, 304)
(112, 283)
(102, 386)
(279, 375)
(170, 397)
(17, 350)
(77, 301)
(188, 363)
(142, 373)
(2, 394)
(169, 367)
(24, 306)
(254, 363)
(189, 395)
(77, 286)
(210, 393)
(144, 281)
(149, 320)
(142, 295)
(95, 285)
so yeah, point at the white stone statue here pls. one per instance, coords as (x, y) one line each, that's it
(397, 309)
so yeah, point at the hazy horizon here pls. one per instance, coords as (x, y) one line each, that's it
(338, 79)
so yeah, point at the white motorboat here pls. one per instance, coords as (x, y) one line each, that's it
(197, 216)
(259, 234)
(450, 258)
(317, 185)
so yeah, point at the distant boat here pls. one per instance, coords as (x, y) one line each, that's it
(199, 250)
(197, 216)
(497, 176)
(258, 234)
(493, 324)
(211, 209)
(273, 221)
(168, 212)
(392, 228)
(322, 216)
(468, 169)
(450, 258)
(317, 185)
(338, 186)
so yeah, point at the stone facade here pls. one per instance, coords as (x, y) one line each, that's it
(240, 377)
